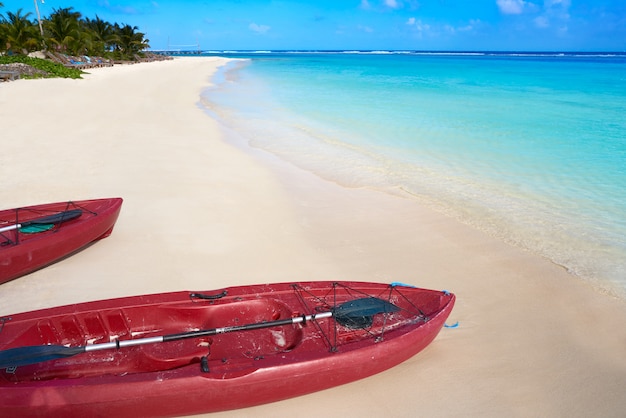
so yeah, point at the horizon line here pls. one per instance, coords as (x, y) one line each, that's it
(383, 51)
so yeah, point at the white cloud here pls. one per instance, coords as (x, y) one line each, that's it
(384, 6)
(449, 29)
(417, 24)
(473, 24)
(555, 12)
(512, 7)
(562, 3)
(392, 4)
(258, 28)
(421, 29)
(559, 8)
(542, 22)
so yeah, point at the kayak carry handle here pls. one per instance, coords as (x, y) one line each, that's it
(208, 297)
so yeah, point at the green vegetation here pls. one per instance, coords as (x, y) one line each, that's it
(66, 31)
(51, 69)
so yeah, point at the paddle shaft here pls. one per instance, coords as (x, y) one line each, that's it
(11, 227)
(205, 333)
(50, 219)
(350, 312)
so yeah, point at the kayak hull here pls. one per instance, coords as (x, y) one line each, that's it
(217, 373)
(22, 253)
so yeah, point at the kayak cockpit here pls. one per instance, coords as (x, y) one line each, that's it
(104, 326)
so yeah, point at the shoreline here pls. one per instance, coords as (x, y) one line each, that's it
(201, 213)
(526, 205)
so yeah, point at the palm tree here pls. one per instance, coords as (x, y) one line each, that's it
(102, 33)
(130, 41)
(63, 31)
(20, 33)
(2, 39)
(2, 29)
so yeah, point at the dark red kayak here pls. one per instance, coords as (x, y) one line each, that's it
(35, 236)
(185, 353)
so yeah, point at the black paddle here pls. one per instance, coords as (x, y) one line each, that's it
(57, 218)
(348, 314)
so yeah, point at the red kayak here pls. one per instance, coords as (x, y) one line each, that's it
(186, 353)
(35, 236)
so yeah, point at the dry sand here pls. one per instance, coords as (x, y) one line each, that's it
(200, 213)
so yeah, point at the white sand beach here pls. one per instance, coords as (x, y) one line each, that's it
(200, 213)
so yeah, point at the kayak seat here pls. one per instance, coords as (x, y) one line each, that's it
(240, 344)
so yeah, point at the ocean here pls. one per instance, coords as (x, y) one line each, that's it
(528, 147)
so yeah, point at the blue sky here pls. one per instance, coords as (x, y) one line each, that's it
(522, 25)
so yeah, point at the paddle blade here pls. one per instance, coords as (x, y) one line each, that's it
(22, 356)
(359, 313)
(37, 228)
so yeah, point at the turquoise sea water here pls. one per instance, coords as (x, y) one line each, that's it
(530, 148)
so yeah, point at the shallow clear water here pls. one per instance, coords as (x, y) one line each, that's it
(529, 148)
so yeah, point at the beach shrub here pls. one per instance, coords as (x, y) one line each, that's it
(51, 69)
